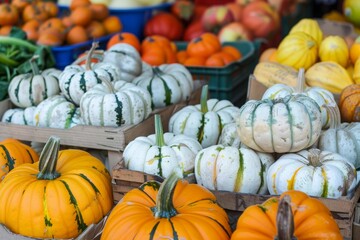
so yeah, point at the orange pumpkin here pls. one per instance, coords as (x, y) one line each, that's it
(195, 61)
(294, 213)
(157, 50)
(219, 59)
(349, 103)
(232, 50)
(124, 37)
(174, 210)
(204, 46)
(9, 14)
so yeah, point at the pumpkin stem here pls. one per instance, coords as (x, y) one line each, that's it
(164, 205)
(300, 81)
(48, 160)
(285, 220)
(98, 54)
(34, 66)
(314, 157)
(335, 116)
(159, 133)
(107, 84)
(204, 98)
(89, 55)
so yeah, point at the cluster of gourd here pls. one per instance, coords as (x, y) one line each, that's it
(118, 89)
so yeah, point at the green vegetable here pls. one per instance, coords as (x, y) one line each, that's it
(15, 53)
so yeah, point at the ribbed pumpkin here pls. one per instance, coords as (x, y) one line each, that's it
(57, 197)
(349, 103)
(56, 112)
(126, 58)
(111, 105)
(19, 116)
(293, 215)
(76, 80)
(334, 48)
(342, 138)
(29, 89)
(320, 95)
(283, 125)
(298, 50)
(168, 83)
(174, 210)
(315, 172)
(310, 27)
(160, 153)
(328, 75)
(229, 136)
(204, 121)
(13, 153)
(232, 169)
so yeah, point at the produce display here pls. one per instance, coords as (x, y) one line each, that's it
(155, 154)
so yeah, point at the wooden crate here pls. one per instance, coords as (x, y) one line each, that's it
(342, 209)
(126, 180)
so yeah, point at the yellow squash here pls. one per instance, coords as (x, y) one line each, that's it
(334, 48)
(309, 26)
(356, 72)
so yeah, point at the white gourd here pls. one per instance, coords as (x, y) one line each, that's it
(22, 116)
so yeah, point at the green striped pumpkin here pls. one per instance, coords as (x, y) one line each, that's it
(56, 112)
(232, 169)
(19, 116)
(113, 106)
(315, 172)
(288, 124)
(57, 197)
(168, 83)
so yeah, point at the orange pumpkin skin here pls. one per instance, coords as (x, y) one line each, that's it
(349, 103)
(197, 215)
(312, 219)
(14, 153)
(204, 46)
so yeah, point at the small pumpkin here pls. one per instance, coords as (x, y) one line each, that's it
(160, 153)
(203, 46)
(157, 50)
(19, 116)
(349, 103)
(13, 153)
(115, 105)
(334, 48)
(293, 215)
(204, 121)
(175, 209)
(310, 27)
(168, 83)
(66, 188)
(232, 169)
(29, 89)
(315, 172)
(287, 124)
(56, 112)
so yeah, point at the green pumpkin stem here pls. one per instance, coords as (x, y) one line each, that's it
(159, 133)
(204, 98)
(164, 205)
(300, 85)
(335, 116)
(314, 157)
(48, 160)
(89, 55)
(107, 84)
(34, 66)
(285, 220)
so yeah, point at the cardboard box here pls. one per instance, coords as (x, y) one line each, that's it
(92, 232)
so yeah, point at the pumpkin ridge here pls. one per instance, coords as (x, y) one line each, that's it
(118, 110)
(45, 95)
(159, 162)
(47, 218)
(67, 84)
(291, 183)
(175, 235)
(291, 125)
(153, 230)
(356, 143)
(168, 92)
(10, 161)
(82, 82)
(262, 176)
(200, 132)
(252, 123)
(30, 156)
(239, 175)
(310, 120)
(69, 118)
(16, 91)
(271, 123)
(199, 161)
(214, 179)
(326, 185)
(96, 190)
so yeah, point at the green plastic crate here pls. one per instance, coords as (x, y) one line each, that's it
(229, 82)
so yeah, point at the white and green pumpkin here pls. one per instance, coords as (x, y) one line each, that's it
(29, 89)
(22, 116)
(232, 169)
(56, 112)
(76, 80)
(320, 95)
(168, 83)
(315, 172)
(288, 124)
(204, 121)
(160, 153)
(115, 104)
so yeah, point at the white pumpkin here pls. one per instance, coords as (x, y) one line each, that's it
(19, 116)
(283, 125)
(160, 153)
(232, 169)
(342, 138)
(126, 58)
(112, 106)
(320, 95)
(229, 136)
(315, 172)
(168, 84)
(204, 121)
(56, 112)
(29, 89)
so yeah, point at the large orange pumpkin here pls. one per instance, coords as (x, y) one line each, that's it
(174, 210)
(203, 46)
(293, 214)
(349, 103)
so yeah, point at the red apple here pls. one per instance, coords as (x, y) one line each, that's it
(234, 31)
(236, 10)
(215, 17)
